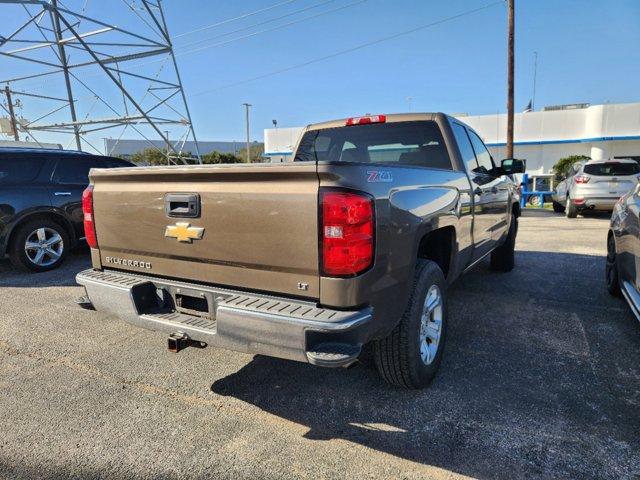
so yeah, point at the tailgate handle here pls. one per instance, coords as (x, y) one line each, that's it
(182, 205)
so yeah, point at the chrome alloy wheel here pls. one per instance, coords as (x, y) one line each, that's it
(44, 247)
(431, 325)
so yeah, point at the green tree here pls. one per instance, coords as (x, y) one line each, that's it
(154, 156)
(562, 166)
(149, 156)
(217, 157)
(256, 153)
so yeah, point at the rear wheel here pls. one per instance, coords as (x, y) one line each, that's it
(503, 257)
(571, 210)
(557, 207)
(613, 280)
(410, 355)
(39, 245)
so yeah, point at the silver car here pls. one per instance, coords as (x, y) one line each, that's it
(623, 250)
(595, 185)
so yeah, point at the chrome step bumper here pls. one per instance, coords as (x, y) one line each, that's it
(245, 322)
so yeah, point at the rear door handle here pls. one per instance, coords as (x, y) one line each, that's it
(494, 189)
(478, 191)
(62, 194)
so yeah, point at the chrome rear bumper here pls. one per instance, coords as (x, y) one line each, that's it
(240, 321)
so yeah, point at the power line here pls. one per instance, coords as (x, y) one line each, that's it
(245, 15)
(295, 12)
(267, 30)
(253, 34)
(352, 49)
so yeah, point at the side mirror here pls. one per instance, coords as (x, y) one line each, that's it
(513, 165)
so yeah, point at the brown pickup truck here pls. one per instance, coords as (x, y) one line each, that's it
(352, 243)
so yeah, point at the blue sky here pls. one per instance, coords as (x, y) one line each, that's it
(589, 51)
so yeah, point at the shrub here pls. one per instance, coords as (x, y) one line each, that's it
(562, 166)
(217, 157)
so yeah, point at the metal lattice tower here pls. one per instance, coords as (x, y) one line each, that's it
(80, 74)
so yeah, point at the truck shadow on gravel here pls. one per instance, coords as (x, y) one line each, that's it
(539, 378)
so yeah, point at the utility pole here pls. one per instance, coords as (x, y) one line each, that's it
(12, 115)
(246, 107)
(510, 79)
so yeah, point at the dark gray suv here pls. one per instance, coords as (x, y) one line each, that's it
(41, 203)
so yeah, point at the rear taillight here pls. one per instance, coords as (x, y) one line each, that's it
(581, 179)
(89, 224)
(347, 235)
(366, 120)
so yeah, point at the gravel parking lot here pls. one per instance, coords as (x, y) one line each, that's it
(541, 377)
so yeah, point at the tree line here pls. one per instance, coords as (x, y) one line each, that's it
(154, 156)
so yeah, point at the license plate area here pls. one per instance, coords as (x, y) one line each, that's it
(193, 305)
(187, 301)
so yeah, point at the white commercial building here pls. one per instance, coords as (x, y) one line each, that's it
(542, 137)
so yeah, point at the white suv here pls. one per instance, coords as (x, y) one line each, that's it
(595, 185)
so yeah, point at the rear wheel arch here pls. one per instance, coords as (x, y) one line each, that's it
(48, 215)
(515, 208)
(439, 246)
(612, 273)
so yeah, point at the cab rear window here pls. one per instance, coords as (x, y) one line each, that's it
(611, 169)
(19, 169)
(417, 143)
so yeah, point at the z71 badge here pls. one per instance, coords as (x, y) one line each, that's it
(379, 176)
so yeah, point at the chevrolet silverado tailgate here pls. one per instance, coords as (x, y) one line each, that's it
(260, 224)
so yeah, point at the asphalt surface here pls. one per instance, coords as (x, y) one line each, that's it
(540, 378)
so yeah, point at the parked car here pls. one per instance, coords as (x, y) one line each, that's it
(353, 242)
(41, 203)
(623, 250)
(595, 185)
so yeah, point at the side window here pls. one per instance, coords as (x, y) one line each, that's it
(485, 164)
(74, 170)
(464, 144)
(19, 169)
(109, 162)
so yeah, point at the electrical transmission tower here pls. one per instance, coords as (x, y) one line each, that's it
(84, 71)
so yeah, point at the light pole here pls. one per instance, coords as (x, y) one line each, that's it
(246, 107)
(409, 100)
(166, 136)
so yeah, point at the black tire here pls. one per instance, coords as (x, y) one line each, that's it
(18, 253)
(571, 211)
(398, 356)
(557, 207)
(611, 270)
(503, 257)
